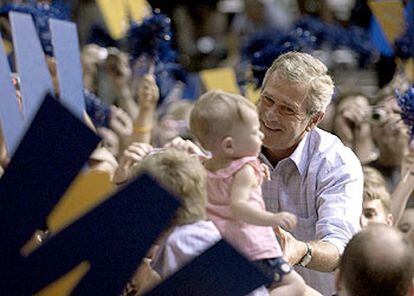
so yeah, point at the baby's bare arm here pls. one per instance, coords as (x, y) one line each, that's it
(244, 181)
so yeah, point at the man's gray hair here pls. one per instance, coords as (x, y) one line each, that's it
(304, 69)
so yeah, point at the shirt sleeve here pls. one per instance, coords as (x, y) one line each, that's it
(339, 199)
(182, 245)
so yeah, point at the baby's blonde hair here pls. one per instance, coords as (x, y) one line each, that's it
(215, 114)
(184, 176)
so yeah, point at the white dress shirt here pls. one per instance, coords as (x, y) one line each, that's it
(321, 183)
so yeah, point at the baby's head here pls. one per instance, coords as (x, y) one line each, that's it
(184, 176)
(226, 123)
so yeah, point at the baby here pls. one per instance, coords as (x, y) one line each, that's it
(227, 125)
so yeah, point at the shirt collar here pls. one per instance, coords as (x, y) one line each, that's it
(298, 156)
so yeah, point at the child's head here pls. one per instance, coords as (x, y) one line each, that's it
(376, 204)
(184, 176)
(227, 124)
(174, 123)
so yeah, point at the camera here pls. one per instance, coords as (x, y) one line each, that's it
(378, 115)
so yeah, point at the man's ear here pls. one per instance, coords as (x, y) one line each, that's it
(315, 120)
(227, 145)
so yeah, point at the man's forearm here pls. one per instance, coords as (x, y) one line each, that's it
(325, 256)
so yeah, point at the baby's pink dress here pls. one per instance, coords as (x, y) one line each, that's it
(255, 242)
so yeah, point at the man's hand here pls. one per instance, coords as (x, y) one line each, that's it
(325, 255)
(293, 249)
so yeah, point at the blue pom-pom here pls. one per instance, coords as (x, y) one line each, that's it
(406, 103)
(404, 46)
(355, 38)
(310, 33)
(152, 37)
(261, 60)
(259, 41)
(150, 40)
(313, 26)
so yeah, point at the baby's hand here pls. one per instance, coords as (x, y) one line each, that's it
(286, 220)
(185, 145)
(265, 171)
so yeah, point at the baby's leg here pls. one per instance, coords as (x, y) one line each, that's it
(292, 284)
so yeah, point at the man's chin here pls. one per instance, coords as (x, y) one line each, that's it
(273, 146)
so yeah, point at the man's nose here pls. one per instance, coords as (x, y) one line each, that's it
(273, 113)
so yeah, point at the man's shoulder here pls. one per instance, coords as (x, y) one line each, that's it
(324, 141)
(328, 148)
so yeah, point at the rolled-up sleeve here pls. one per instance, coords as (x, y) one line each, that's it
(339, 199)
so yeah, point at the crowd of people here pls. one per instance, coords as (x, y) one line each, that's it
(289, 180)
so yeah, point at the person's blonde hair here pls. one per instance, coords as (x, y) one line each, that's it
(215, 113)
(373, 176)
(375, 188)
(184, 176)
(303, 69)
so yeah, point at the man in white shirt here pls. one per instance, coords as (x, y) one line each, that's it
(313, 175)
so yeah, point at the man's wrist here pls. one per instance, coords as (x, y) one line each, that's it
(307, 255)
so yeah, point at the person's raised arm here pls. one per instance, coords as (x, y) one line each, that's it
(148, 95)
(405, 187)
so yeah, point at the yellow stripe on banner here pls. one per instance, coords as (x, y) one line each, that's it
(117, 14)
(65, 285)
(390, 15)
(114, 14)
(87, 191)
(220, 78)
(252, 94)
(138, 9)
